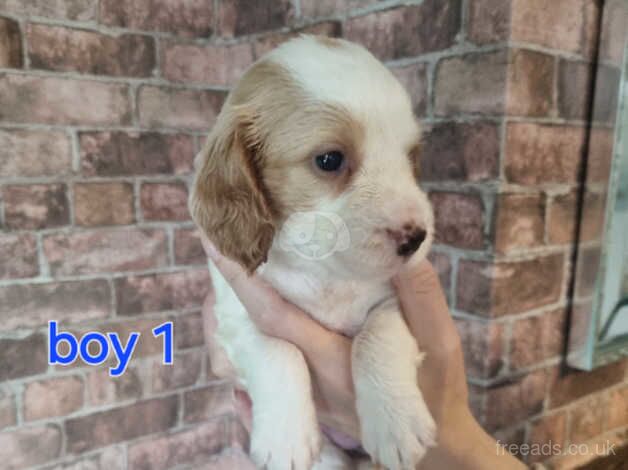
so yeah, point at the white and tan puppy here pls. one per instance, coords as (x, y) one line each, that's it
(307, 178)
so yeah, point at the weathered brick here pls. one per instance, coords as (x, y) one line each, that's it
(474, 83)
(18, 256)
(617, 415)
(103, 204)
(212, 64)
(164, 201)
(184, 372)
(105, 250)
(193, 447)
(240, 17)
(171, 107)
(563, 215)
(587, 419)
(134, 153)
(601, 141)
(52, 100)
(442, 265)
(188, 248)
(537, 338)
(519, 221)
(33, 305)
(120, 424)
(267, 42)
(102, 389)
(514, 400)
(52, 397)
(415, 81)
(156, 292)
(547, 431)
(208, 402)
(552, 23)
(489, 21)
(149, 345)
(537, 153)
(460, 151)
(509, 287)
(325, 8)
(8, 411)
(530, 83)
(182, 17)
(482, 347)
(74, 50)
(189, 328)
(30, 446)
(107, 459)
(23, 357)
(574, 89)
(407, 31)
(10, 44)
(228, 461)
(577, 384)
(79, 10)
(459, 219)
(34, 153)
(35, 206)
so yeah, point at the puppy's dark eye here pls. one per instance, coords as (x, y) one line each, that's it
(329, 161)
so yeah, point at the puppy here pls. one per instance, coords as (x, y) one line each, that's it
(307, 179)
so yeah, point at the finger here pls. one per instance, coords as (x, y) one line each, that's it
(244, 409)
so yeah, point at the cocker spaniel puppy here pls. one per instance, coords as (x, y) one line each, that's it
(307, 179)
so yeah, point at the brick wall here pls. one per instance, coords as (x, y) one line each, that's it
(103, 104)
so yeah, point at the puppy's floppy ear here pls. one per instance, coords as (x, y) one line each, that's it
(229, 201)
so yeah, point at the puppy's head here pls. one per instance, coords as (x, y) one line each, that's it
(312, 155)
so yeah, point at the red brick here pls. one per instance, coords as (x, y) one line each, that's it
(189, 328)
(185, 371)
(10, 44)
(530, 83)
(182, 17)
(72, 50)
(587, 419)
(149, 345)
(562, 218)
(30, 446)
(157, 292)
(107, 459)
(601, 143)
(519, 221)
(574, 89)
(537, 153)
(18, 256)
(240, 17)
(79, 10)
(505, 288)
(460, 151)
(415, 81)
(489, 21)
(547, 431)
(105, 250)
(102, 389)
(474, 83)
(617, 408)
(33, 305)
(229, 461)
(325, 8)
(537, 338)
(407, 31)
(146, 153)
(515, 400)
(35, 206)
(103, 204)
(52, 397)
(459, 219)
(220, 65)
(208, 402)
(188, 248)
(267, 42)
(558, 24)
(23, 357)
(176, 108)
(442, 265)
(120, 424)
(164, 201)
(579, 324)
(511, 436)
(482, 346)
(52, 100)
(8, 411)
(193, 446)
(577, 384)
(21, 153)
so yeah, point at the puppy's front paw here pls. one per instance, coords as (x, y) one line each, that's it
(285, 441)
(396, 431)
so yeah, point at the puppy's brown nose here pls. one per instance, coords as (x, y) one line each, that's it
(411, 242)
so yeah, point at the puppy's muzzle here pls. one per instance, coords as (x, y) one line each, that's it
(408, 240)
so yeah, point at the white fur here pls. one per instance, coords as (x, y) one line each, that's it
(349, 291)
